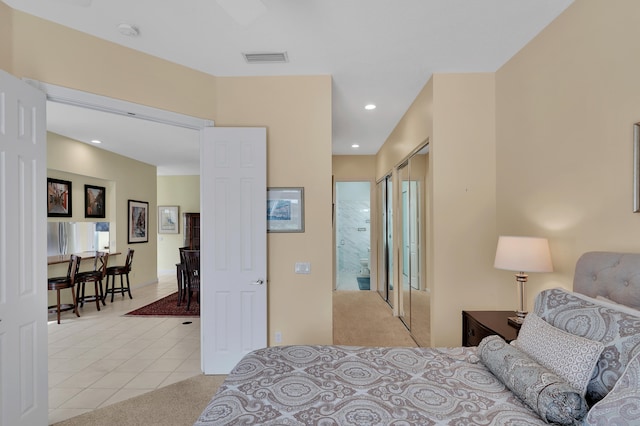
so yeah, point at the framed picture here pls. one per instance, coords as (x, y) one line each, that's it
(58, 198)
(94, 201)
(138, 222)
(285, 209)
(168, 220)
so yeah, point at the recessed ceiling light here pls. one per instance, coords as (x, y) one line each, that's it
(355, 145)
(96, 141)
(128, 30)
(370, 107)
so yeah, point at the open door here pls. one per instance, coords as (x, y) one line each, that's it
(23, 254)
(233, 244)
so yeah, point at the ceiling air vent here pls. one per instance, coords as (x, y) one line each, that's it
(266, 58)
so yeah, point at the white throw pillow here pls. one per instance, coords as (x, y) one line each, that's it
(569, 356)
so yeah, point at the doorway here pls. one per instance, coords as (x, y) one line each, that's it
(353, 236)
(141, 115)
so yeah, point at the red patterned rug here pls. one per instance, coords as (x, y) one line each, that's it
(167, 307)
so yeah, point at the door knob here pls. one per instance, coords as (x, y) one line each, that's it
(258, 282)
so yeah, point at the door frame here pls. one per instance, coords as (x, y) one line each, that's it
(79, 98)
(373, 243)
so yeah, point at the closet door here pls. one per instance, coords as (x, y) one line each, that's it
(404, 238)
(414, 306)
(385, 240)
(417, 247)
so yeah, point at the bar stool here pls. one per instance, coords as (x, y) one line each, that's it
(60, 283)
(119, 270)
(96, 275)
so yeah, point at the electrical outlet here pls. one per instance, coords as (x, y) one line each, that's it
(278, 337)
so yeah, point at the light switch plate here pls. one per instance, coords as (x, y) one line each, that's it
(303, 268)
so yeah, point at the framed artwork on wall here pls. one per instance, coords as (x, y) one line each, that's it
(58, 198)
(168, 220)
(138, 222)
(285, 209)
(94, 201)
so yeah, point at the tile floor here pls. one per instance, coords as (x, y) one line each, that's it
(104, 357)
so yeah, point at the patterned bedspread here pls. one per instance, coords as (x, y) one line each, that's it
(338, 385)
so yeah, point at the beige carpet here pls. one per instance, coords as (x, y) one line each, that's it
(360, 318)
(175, 405)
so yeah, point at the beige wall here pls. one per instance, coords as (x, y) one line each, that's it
(299, 154)
(184, 192)
(415, 127)
(125, 179)
(557, 164)
(295, 110)
(456, 113)
(463, 228)
(566, 105)
(58, 55)
(354, 167)
(6, 37)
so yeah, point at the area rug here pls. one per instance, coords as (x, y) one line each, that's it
(167, 307)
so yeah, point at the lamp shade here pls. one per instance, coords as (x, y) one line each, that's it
(523, 254)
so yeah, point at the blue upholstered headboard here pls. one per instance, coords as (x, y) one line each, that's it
(615, 276)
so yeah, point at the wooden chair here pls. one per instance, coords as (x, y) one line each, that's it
(192, 273)
(182, 287)
(60, 283)
(122, 270)
(96, 275)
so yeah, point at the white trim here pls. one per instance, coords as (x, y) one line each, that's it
(79, 98)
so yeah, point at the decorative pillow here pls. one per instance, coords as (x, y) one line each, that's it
(622, 404)
(618, 331)
(542, 390)
(569, 356)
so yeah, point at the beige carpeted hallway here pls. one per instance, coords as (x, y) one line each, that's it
(360, 318)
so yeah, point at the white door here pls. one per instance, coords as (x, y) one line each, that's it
(233, 244)
(23, 254)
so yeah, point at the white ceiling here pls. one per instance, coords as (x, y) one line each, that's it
(377, 51)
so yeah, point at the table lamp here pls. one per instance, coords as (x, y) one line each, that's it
(522, 254)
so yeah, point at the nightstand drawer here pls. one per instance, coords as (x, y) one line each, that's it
(476, 325)
(474, 332)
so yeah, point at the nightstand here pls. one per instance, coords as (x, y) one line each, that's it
(476, 325)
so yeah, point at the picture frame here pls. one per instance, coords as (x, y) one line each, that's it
(59, 198)
(95, 201)
(285, 209)
(138, 222)
(168, 220)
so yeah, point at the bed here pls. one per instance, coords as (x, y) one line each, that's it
(576, 361)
